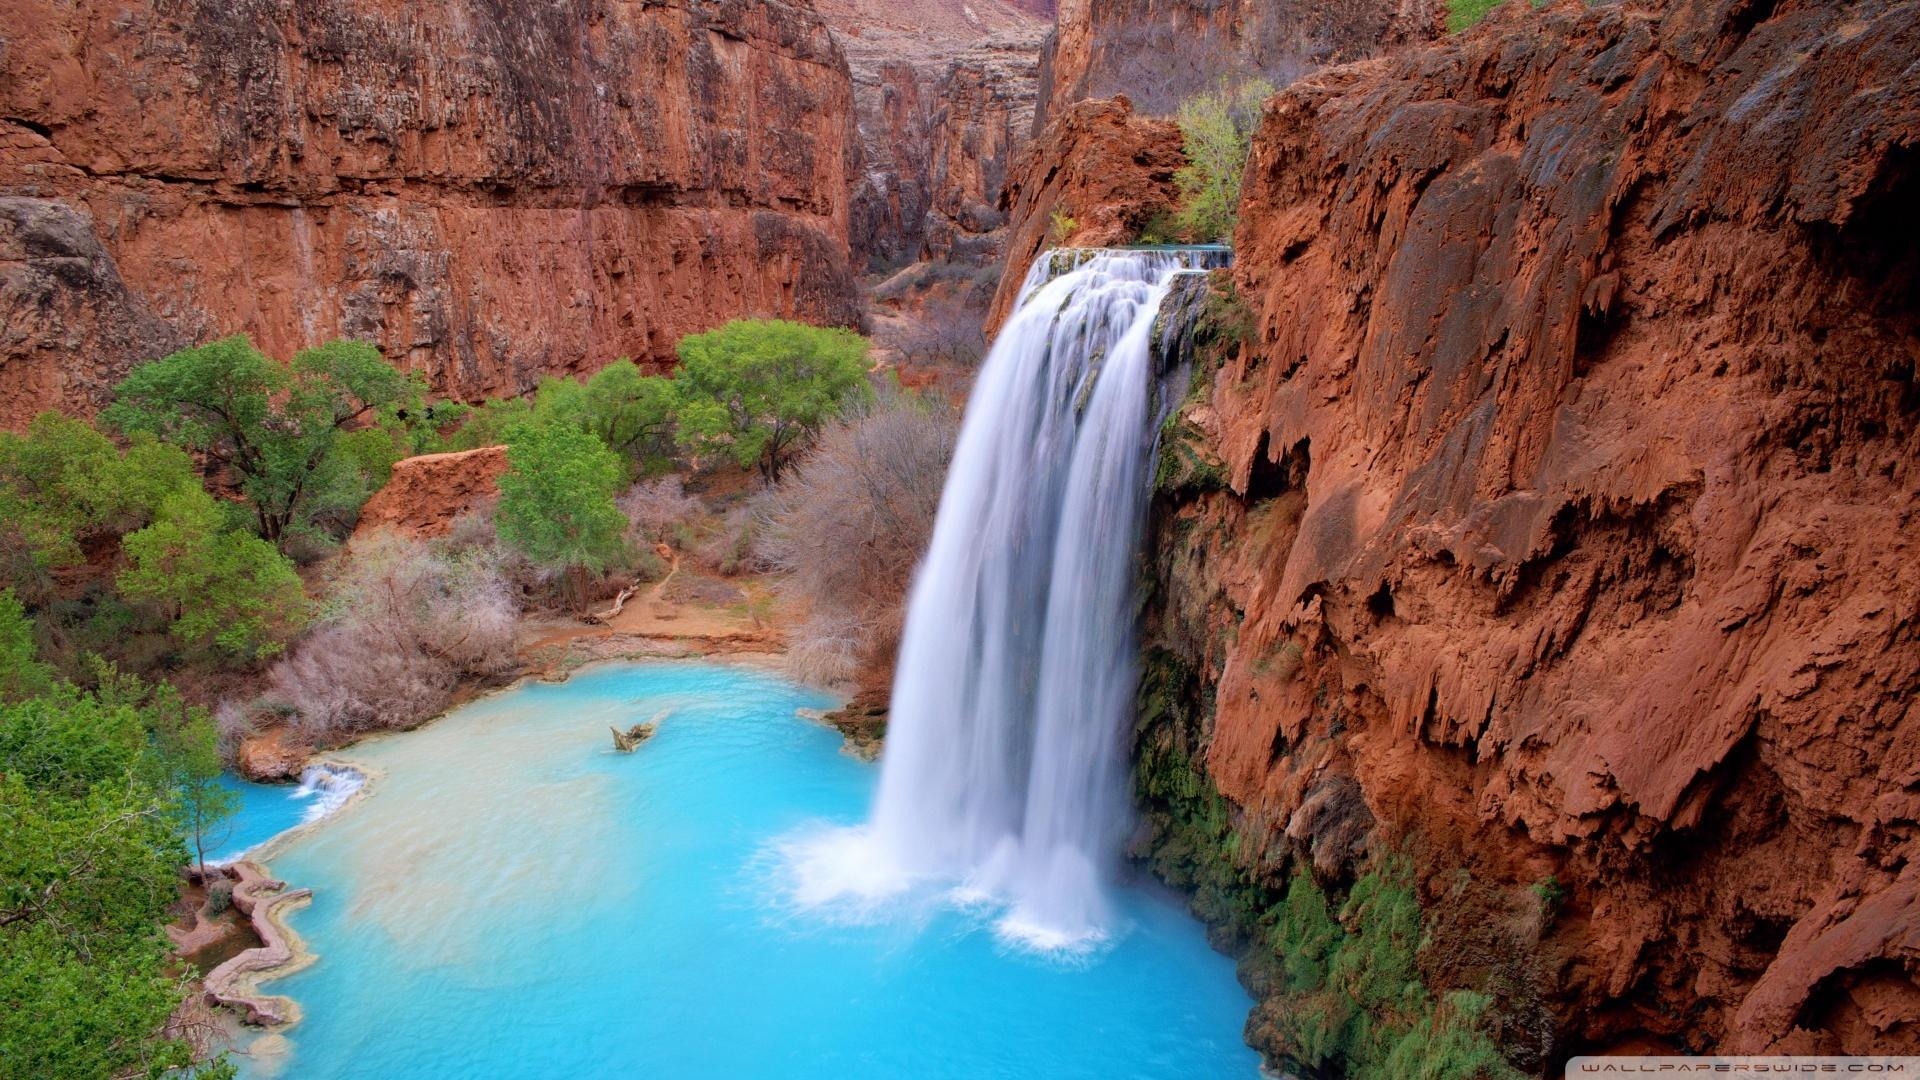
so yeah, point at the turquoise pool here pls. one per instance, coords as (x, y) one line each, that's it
(509, 897)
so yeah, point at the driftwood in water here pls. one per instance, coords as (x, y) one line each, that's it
(619, 602)
(625, 741)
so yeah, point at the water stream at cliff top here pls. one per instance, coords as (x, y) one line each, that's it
(1005, 764)
(510, 897)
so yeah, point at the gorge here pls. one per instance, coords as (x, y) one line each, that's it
(1482, 586)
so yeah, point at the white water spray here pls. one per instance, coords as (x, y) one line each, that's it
(1005, 766)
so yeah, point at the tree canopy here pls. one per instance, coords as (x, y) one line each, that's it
(90, 849)
(219, 588)
(278, 426)
(632, 413)
(759, 389)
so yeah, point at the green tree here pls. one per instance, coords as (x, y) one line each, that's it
(89, 855)
(219, 588)
(1217, 132)
(186, 743)
(629, 411)
(759, 390)
(279, 426)
(557, 501)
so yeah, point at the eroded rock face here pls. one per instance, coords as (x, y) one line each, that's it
(1160, 52)
(489, 193)
(428, 493)
(1100, 165)
(1566, 508)
(944, 91)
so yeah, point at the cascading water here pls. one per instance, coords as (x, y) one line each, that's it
(1004, 768)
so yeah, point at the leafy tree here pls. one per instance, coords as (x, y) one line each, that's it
(1217, 130)
(632, 413)
(219, 588)
(760, 389)
(88, 861)
(557, 500)
(187, 744)
(62, 483)
(22, 675)
(277, 425)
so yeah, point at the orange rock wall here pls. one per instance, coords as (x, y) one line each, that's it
(1160, 52)
(489, 193)
(1571, 504)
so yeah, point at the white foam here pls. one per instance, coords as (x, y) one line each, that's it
(329, 786)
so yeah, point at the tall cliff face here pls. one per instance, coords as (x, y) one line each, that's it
(944, 91)
(1159, 52)
(1557, 521)
(490, 192)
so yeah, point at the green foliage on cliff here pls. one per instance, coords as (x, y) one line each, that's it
(1463, 14)
(557, 499)
(759, 390)
(64, 485)
(1340, 977)
(90, 847)
(1217, 133)
(281, 427)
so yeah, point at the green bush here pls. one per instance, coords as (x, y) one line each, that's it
(1217, 134)
(759, 390)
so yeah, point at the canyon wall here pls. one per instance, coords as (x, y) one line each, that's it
(1160, 52)
(944, 92)
(1547, 513)
(489, 192)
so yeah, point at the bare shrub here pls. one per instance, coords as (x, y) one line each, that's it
(233, 725)
(654, 509)
(732, 545)
(828, 647)
(946, 331)
(408, 624)
(851, 522)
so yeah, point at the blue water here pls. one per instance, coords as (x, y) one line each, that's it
(509, 897)
(263, 811)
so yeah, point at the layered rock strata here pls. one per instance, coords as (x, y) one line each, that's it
(490, 193)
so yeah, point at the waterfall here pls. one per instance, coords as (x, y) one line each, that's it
(329, 786)
(1005, 764)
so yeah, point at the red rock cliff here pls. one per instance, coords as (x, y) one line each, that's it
(944, 91)
(491, 193)
(1159, 52)
(1568, 513)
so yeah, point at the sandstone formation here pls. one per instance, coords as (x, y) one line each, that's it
(426, 494)
(1556, 522)
(1099, 164)
(944, 93)
(1159, 52)
(491, 193)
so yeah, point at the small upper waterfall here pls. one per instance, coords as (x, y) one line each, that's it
(1005, 762)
